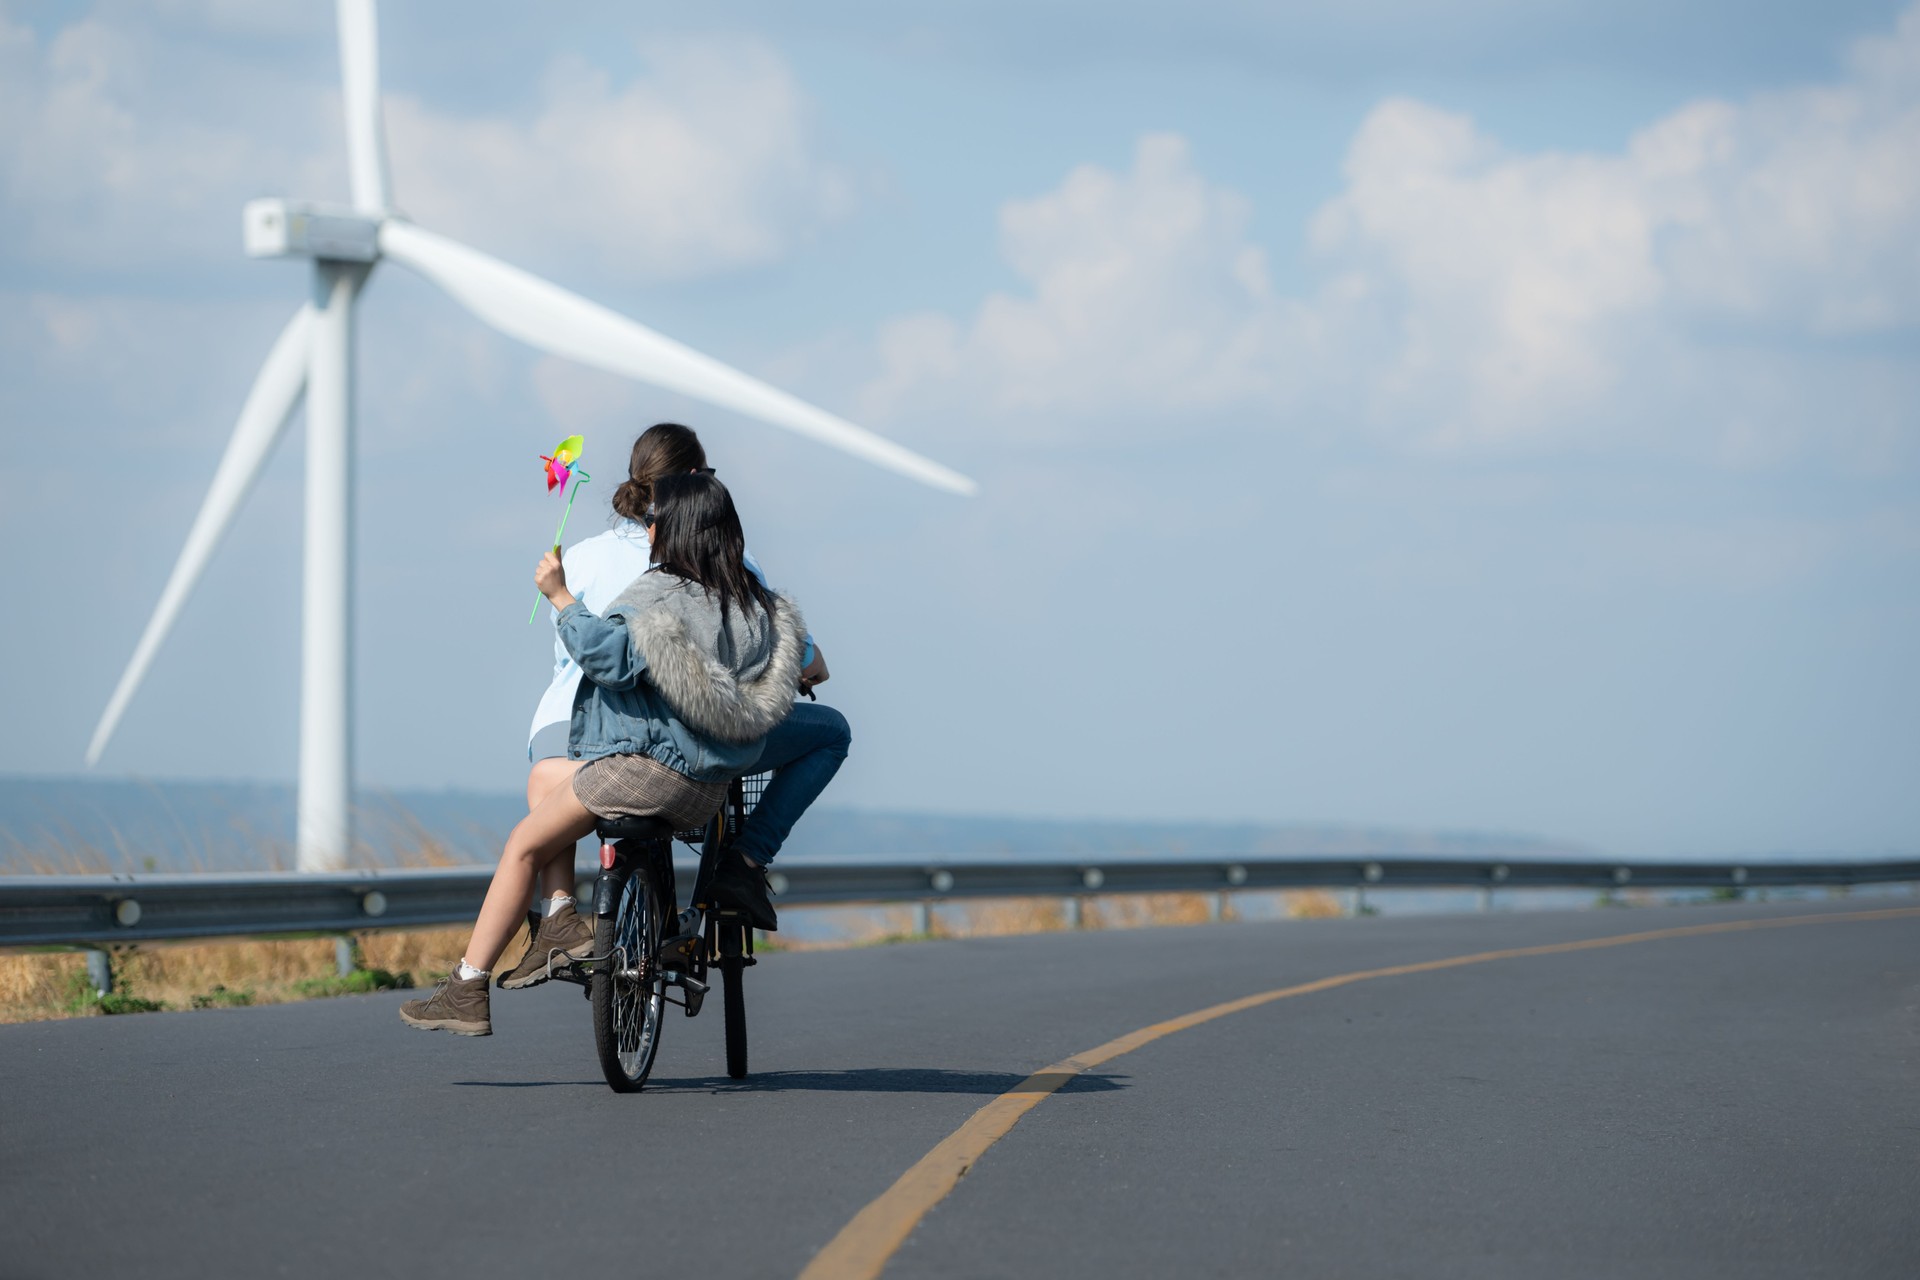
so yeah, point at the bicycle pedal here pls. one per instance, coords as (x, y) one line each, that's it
(571, 973)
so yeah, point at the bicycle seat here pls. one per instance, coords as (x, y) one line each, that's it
(612, 829)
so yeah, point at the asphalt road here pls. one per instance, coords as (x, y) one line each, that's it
(1741, 1104)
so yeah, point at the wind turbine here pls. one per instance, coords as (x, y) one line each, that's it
(313, 357)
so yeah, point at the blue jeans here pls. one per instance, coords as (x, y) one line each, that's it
(804, 752)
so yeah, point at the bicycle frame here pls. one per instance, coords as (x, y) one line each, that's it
(719, 938)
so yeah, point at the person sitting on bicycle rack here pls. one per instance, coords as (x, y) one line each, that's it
(803, 752)
(684, 676)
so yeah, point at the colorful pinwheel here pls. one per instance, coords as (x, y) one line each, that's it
(560, 468)
(560, 462)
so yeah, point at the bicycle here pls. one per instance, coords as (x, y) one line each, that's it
(627, 980)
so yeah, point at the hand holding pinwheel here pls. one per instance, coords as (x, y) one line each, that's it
(550, 579)
(559, 469)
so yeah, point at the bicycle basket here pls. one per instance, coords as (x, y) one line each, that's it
(752, 787)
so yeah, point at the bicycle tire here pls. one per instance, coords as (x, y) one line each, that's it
(734, 998)
(628, 1013)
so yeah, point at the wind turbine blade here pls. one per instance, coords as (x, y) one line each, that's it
(360, 92)
(276, 391)
(546, 316)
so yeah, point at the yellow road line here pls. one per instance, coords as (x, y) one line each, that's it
(866, 1244)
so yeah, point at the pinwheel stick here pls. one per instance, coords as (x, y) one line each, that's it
(579, 478)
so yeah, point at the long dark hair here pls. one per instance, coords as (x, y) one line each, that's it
(697, 536)
(664, 449)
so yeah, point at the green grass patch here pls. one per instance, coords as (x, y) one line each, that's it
(222, 998)
(83, 999)
(359, 982)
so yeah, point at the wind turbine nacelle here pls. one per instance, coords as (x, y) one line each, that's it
(290, 229)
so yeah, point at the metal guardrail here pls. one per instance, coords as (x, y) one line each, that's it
(106, 910)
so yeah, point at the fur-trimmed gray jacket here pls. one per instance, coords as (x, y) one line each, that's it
(667, 677)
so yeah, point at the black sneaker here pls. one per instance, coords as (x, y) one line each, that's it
(742, 886)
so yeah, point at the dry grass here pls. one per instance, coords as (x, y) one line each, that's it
(998, 917)
(1139, 910)
(37, 986)
(60, 860)
(1311, 904)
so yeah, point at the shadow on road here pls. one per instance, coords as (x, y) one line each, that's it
(856, 1080)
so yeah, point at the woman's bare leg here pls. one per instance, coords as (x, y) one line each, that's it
(556, 878)
(546, 775)
(542, 836)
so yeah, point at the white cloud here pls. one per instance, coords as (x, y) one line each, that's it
(1477, 283)
(705, 164)
(105, 162)
(1819, 188)
(1701, 283)
(126, 145)
(1144, 292)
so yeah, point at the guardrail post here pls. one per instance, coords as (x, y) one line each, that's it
(923, 918)
(100, 971)
(1072, 912)
(1236, 876)
(1372, 873)
(346, 954)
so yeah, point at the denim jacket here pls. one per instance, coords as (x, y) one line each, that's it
(667, 677)
(599, 569)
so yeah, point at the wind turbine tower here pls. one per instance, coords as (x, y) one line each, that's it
(313, 359)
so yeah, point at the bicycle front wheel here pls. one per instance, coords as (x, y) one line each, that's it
(628, 991)
(734, 996)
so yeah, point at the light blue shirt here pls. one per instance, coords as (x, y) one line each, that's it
(598, 570)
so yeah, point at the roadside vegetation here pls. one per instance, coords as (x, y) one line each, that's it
(35, 986)
(218, 975)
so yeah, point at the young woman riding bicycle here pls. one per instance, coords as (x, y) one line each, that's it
(803, 753)
(684, 676)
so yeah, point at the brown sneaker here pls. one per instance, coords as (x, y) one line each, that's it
(565, 935)
(457, 1005)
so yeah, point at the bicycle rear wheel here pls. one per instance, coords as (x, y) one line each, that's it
(628, 990)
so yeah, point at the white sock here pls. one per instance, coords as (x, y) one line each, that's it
(467, 973)
(552, 905)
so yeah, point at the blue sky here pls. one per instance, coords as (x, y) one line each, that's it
(1503, 417)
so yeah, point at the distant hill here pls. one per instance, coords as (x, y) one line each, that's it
(84, 824)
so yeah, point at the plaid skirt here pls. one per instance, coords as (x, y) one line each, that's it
(639, 786)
